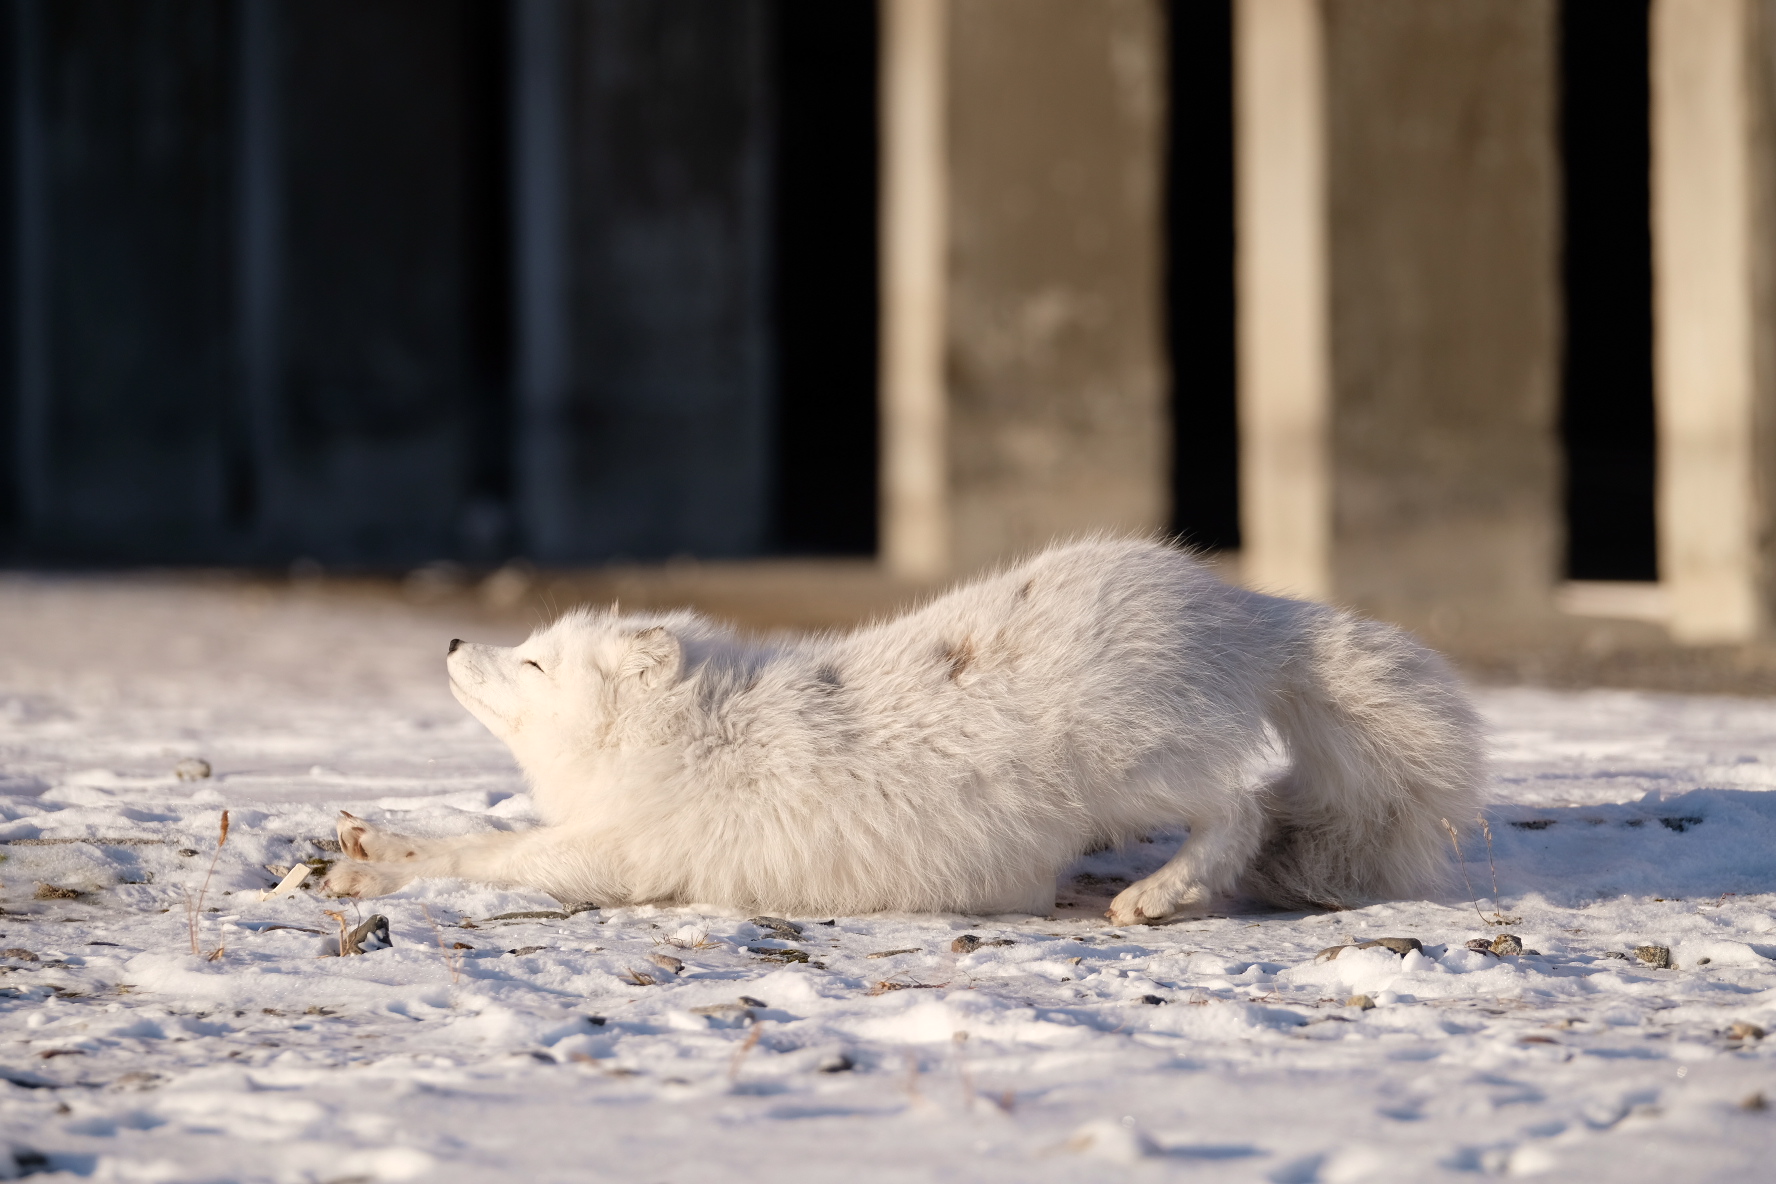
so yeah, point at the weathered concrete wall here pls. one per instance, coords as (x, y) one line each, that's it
(1714, 219)
(1444, 214)
(1425, 481)
(1049, 418)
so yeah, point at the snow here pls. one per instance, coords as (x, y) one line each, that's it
(559, 1048)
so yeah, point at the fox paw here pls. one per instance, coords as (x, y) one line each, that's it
(359, 840)
(363, 879)
(1148, 903)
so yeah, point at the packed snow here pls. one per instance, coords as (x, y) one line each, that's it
(503, 1036)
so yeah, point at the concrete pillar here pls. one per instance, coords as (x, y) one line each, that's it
(1399, 307)
(1714, 381)
(1023, 374)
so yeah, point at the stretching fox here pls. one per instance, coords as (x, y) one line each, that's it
(956, 758)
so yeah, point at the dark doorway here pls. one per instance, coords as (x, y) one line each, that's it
(825, 280)
(1199, 276)
(1607, 411)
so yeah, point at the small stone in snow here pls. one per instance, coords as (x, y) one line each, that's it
(19, 955)
(727, 1013)
(968, 943)
(1754, 1102)
(1153, 1000)
(370, 934)
(751, 1002)
(55, 892)
(1745, 1030)
(521, 951)
(1617, 954)
(1480, 946)
(666, 962)
(1362, 1002)
(192, 769)
(1506, 944)
(1399, 945)
(787, 930)
(837, 1064)
(1658, 957)
(597, 1021)
(1330, 953)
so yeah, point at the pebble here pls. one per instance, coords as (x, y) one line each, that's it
(837, 1064)
(370, 934)
(732, 1014)
(1152, 1000)
(521, 951)
(1506, 944)
(1658, 957)
(666, 962)
(1745, 1030)
(1480, 946)
(751, 1002)
(1399, 945)
(192, 769)
(54, 892)
(787, 930)
(968, 943)
(19, 955)
(1360, 1001)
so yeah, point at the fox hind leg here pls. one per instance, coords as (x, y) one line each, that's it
(1220, 847)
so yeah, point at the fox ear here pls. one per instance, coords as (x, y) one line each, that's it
(653, 659)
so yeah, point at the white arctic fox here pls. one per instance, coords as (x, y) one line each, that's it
(957, 758)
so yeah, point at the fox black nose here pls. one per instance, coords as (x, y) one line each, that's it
(454, 642)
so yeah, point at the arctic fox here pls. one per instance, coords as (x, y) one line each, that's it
(956, 758)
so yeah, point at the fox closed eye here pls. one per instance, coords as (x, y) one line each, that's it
(538, 669)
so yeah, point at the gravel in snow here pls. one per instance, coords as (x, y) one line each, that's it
(504, 1037)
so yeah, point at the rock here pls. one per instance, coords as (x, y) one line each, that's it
(1616, 954)
(1480, 946)
(192, 769)
(1745, 1030)
(733, 1015)
(597, 1021)
(1506, 944)
(1658, 957)
(1754, 1102)
(19, 955)
(892, 953)
(1330, 953)
(751, 1002)
(837, 1064)
(787, 930)
(1360, 1001)
(1152, 1000)
(776, 955)
(666, 962)
(371, 934)
(54, 892)
(968, 943)
(1399, 945)
(521, 951)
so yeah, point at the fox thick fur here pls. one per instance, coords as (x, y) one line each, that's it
(956, 758)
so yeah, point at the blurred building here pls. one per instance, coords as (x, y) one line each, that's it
(382, 282)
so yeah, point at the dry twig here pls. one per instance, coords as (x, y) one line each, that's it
(194, 909)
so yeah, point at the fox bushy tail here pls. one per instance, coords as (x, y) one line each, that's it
(1384, 745)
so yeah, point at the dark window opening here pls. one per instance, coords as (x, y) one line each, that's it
(1607, 410)
(825, 279)
(1199, 276)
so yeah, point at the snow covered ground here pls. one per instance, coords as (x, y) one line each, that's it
(503, 1039)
